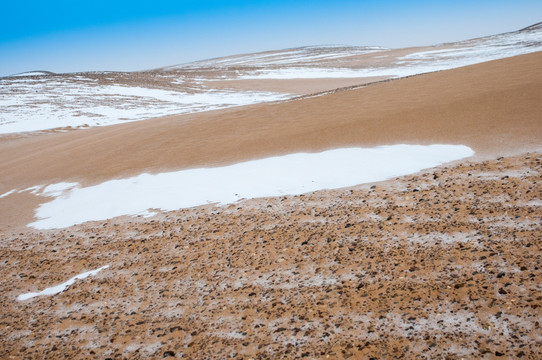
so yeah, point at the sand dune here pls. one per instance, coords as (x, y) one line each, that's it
(494, 108)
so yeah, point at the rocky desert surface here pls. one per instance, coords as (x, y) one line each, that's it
(441, 264)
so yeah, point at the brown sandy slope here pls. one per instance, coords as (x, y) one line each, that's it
(294, 86)
(494, 107)
(443, 265)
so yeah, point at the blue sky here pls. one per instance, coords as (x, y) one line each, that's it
(68, 36)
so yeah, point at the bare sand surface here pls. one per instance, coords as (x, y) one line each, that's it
(293, 86)
(442, 264)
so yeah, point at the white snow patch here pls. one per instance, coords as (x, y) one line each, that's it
(32, 73)
(32, 189)
(50, 104)
(298, 56)
(322, 73)
(465, 53)
(276, 176)
(230, 335)
(57, 189)
(7, 193)
(60, 288)
(444, 238)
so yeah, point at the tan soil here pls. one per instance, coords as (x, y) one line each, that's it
(444, 264)
(292, 86)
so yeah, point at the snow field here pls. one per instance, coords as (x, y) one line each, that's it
(276, 176)
(35, 105)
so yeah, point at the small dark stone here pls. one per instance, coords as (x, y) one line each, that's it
(168, 353)
(502, 291)
(498, 353)
(360, 285)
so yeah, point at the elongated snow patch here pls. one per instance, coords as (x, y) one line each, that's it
(284, 175)
(60, 288)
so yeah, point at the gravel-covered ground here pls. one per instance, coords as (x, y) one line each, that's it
(442, 264)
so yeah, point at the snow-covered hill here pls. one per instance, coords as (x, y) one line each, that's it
(38, 101)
